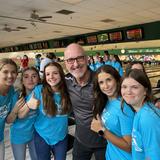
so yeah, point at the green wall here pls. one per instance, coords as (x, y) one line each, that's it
(151, 31)
(131, 51)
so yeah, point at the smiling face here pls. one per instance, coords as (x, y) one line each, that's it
(107, 84)
(76, 61)
(8, 75)
(52, 76)
(133, 92)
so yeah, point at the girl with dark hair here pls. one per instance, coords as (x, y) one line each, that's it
(52, 122)
(139, 65)
(99, 62)
(135, 65)
(22, 128)
(8, 75)
(106, 58)
(136, 90)
(111, 122)
(91, 63)
(38, 61)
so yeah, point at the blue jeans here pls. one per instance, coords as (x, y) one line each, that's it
(44, 150)
(2, 150)
(19, 151)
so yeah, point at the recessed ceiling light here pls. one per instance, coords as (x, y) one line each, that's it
(107, 20)
(65, 12)
(29, 37)
(57, 31)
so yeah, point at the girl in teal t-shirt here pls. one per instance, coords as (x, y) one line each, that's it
(22, 127)
(110, 120)
(8, 75)
(52, 122)
(137, 91)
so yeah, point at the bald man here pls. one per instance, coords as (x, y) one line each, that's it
(80, 86)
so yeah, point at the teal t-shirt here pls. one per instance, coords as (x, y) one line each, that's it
(120, 124)
(5, 107)
(92, 66)
(118, 67)
(108, 62)
(51, 128)
(146, 133)
(22, 130)
(98, 65)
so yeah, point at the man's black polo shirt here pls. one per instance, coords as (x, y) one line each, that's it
(82, 104)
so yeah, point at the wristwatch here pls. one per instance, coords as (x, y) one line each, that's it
(101, 132)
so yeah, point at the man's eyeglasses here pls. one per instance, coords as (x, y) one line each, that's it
(78, 59)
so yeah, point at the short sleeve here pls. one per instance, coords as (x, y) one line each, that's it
(126, 120)
(150, 132)
(14, 99)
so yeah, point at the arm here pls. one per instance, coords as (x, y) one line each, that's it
(33, 103)
(123, 143)
(150, 131)
(22, 113)
(14, 113)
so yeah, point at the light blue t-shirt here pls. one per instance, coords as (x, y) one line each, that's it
(22, 130)
(92, 66)
(120, 124)
(51, 128)
(118, 67)
(146, 133)
(108, 62)
(98, 64)
(5, 107)
(37, 63)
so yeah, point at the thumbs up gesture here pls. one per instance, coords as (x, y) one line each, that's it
(96, 124)
(33, 103)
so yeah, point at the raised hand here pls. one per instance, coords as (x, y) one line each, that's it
(19, 104)
(33, 103)
(96, 124)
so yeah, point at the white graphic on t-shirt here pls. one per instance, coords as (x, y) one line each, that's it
(4, 111)
(134, 142)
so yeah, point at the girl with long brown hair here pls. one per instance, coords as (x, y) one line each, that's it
(52, 122)
(22, 127)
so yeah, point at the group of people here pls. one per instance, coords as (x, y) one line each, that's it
(108, 59)
(115, 117)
